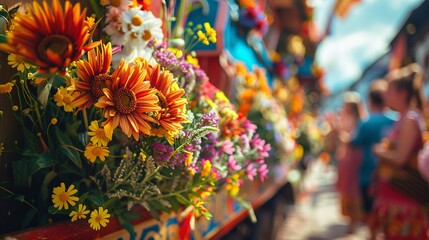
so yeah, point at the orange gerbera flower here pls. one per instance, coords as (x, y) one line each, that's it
(49, 37)
(93, 76)
(129, 101)
(173, 106)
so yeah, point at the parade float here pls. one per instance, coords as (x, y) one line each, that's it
(128, 119)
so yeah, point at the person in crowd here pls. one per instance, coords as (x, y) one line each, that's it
(349, 158)
(370, 132)
(397, 212)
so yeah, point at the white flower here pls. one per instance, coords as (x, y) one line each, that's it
(129, 54)
(139, 27)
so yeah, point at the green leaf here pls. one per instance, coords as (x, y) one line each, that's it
(71, 153)
(195, 194)
(125, 222)
(181, 199)
(83, 197)
(28, 217)
(15, 9)
(21, 172)
(158, 206)
(44, 190)
(20, 198)
(130, 215)
(112, 203)
(43, 91)
(96, 199)
(52, 210)
(42, 161)
(3, 38)
(174, 204)
(95, 4)
(207, 215)
(154, 214)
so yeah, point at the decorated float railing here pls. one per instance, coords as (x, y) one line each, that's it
(119, 132)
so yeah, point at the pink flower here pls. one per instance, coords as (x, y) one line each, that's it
(251, 172)
(260, 146)
(249, 126)
(227, 147)
(263, 172)
(232, 164)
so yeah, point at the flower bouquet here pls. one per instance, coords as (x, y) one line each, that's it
(112, 114)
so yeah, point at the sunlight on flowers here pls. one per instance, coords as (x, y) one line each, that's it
(46, 36)
(64, 98)
(18, 63)
(98, 135)
(62, 198)
(92, 152)
(99, 218)
(79, 214)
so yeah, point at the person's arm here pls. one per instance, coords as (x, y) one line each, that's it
(408, 134)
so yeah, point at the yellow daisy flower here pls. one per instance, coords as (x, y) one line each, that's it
(18, 63)
(98, 135)
(90, 21)
(64, 98)
(202, 37)
(80, 213)
(98, 218)
(232, 188)
(210, 32)
(177, 52)
(92, 152)
(211, 103)
(221, 97)
(191, 171)
(207, 167)
(6, 88)
(34, 79)
(54, 121)
(192, 60)
(62, 198)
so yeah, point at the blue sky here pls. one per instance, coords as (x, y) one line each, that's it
(358, 40)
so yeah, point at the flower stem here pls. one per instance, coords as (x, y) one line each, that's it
(24, 201)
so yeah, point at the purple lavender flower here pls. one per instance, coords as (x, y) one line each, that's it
(208, 147)
(163, 155)
(162, 152)
(209, 119)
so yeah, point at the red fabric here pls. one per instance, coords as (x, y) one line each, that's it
(348, 172)
(397, 215)
(185, 227)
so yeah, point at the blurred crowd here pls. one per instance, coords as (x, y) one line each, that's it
(382, 159)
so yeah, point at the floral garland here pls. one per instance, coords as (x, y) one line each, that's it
(252, 17)
(121, 121)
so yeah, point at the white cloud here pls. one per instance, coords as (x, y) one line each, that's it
(358, 40)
